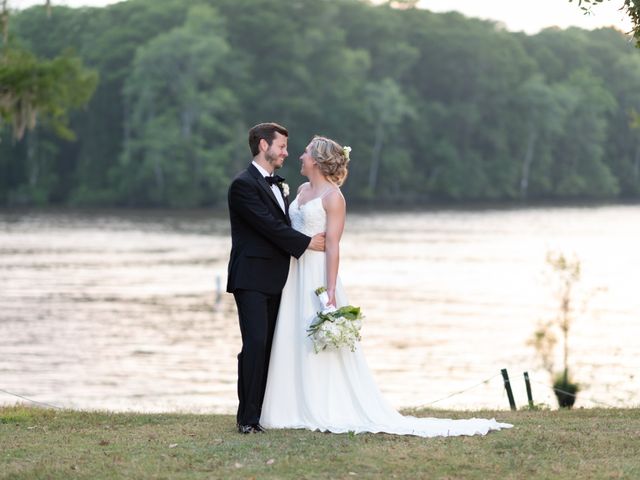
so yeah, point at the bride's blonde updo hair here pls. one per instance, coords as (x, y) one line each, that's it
(331, 157)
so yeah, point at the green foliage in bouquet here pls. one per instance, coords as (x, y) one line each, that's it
(348, 312)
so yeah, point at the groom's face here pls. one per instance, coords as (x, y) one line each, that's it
(277, 151)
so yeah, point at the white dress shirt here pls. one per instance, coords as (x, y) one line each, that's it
(276, 191)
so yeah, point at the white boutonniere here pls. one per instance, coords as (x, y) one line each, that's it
(285, 188)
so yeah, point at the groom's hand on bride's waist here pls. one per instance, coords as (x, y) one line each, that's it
(317, 243)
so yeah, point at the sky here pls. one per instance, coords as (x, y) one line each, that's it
(531, 16)
(517, 15)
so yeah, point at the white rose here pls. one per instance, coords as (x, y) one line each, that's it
(333, 330)
(285, 189)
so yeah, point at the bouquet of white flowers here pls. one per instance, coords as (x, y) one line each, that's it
(335, 327)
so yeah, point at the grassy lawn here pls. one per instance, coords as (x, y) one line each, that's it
(50, 444)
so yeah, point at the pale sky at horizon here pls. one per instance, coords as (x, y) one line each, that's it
(517, 15)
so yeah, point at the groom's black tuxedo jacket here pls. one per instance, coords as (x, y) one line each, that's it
(262, 240)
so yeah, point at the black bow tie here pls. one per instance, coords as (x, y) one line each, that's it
(274, 180)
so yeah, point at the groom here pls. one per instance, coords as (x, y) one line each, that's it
(262, 243)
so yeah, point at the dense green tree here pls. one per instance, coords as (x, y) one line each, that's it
(179, 121)
(579, 168)
(388, 108)
(622, 147)
(542, 117)
(37, 94)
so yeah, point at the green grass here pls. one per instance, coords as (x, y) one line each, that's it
(50, 444)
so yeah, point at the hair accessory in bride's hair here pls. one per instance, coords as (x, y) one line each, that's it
(346, 150)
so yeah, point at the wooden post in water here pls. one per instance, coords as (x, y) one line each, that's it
(528, 384)
(216, 305)
(507, 387)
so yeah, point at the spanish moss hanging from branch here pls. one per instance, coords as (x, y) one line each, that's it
(33, 89)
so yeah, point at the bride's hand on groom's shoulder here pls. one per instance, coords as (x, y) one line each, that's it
(317, 242)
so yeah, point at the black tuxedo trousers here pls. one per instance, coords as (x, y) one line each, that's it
(257, 313)
(262, 244)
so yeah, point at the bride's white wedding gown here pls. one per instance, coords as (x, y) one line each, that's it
(333, 390)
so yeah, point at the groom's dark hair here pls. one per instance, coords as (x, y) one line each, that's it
(266, 131)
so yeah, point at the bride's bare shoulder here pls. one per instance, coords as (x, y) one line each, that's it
(334, 199)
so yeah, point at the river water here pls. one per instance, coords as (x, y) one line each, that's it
(121, 310)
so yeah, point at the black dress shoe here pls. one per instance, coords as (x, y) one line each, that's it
(258, 428)
(245, 429)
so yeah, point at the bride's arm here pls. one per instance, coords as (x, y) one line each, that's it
(336, 209)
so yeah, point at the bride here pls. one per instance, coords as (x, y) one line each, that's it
(332, 390)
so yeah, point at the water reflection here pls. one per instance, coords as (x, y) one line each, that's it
(117, 310)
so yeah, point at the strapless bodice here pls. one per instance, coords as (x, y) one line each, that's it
(309, 218)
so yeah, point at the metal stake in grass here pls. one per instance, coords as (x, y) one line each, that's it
(507, 386)
(528, 384)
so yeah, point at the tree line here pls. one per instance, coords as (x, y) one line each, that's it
(437, 107)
